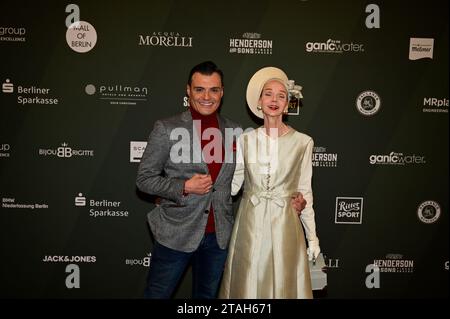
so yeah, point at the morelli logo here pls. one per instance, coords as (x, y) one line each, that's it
(396, 158)
(101, 208)
(395, 263)
(12, 34)
(166, 39)
(65, 151)
(420, 48)
(137, 149)
(368, 103)
(119, 94)
(333, 46)
(251, 43)
(349, 210)
(429, 212)
(435, 105)
(29, 95)
(5, 150)
(322, 158)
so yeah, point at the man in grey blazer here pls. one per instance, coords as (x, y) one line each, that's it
(195, 217)
(189, 162)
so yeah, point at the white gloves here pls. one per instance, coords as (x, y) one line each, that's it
(309, 224)
(313, 249)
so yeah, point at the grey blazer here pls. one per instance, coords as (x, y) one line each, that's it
(179, 221)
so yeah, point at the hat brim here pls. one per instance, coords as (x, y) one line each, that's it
(256, 83)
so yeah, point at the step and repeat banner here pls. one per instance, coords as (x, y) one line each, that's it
(78, 101)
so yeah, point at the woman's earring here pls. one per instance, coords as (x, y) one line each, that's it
(285, 111)
(259, 108)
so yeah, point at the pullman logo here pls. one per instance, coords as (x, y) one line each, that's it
(119, 94)
(349, 210)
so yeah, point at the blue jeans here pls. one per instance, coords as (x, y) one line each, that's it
(168, 265)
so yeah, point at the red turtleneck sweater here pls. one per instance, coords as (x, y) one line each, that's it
(208, 121)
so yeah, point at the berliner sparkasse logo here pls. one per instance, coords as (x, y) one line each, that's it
(429, 211)
(368, 103)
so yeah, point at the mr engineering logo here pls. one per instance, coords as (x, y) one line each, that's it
(101, 208)
(435, 105)
(29, 95)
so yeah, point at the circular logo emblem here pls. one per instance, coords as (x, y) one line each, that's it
(429, 212)
(368, 103)
(81, 36)
(90, 89)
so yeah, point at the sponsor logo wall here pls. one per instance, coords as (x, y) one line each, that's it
(79, 98)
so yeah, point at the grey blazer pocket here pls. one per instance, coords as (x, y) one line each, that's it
(155, 212)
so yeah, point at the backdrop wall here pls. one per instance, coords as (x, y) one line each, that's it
(78, 103)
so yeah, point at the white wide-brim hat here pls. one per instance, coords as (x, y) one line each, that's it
(256, 84)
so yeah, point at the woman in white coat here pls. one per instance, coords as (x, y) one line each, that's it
(268, 255)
